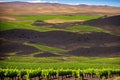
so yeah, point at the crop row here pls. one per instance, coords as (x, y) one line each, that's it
(50, 74)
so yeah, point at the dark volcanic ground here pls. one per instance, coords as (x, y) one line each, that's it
(88, 44)
(96, 51)
(10, 47)
(59, 38)
(110, 23)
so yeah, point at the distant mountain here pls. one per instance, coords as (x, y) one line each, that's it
(25, 8)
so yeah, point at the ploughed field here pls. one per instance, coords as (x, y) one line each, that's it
(64, 47)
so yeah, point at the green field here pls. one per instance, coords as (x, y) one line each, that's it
(64, 17)
(46, 48)
(25, 22)
(59, 62)
(78, 67)
(8, 25)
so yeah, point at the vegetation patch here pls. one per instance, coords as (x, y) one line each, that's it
(64, 17)
(46, 48)
(26, 59)
(51, 74)
(59, 62)
(6, 25)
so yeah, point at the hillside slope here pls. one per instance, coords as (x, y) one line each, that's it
(109, 23)
(24, 8)
(88, 44)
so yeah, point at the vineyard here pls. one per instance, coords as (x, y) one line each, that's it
(59, 74)
(82, 68)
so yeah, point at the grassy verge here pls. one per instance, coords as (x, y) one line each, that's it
(46, 48)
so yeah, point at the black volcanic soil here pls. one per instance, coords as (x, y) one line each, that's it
(67, 40)
(96, 51)
(109, 23)
(46, 54)
(59, 38)
(11, 47)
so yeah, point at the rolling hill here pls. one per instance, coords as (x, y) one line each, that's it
(24, 8)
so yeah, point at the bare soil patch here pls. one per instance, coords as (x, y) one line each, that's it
(46, 54)
(66, 40)
(7, 18)
(59, 38)
(7, 47)
(59, 25)
(97, 51)
(24, 8)
(110, 23)
(54, 21)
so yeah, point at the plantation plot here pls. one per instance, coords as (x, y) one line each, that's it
(54, 68)
(60, 74)
(59, 62)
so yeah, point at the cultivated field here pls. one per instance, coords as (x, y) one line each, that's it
(62, 68)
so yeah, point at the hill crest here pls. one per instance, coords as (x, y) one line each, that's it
(16, 8)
